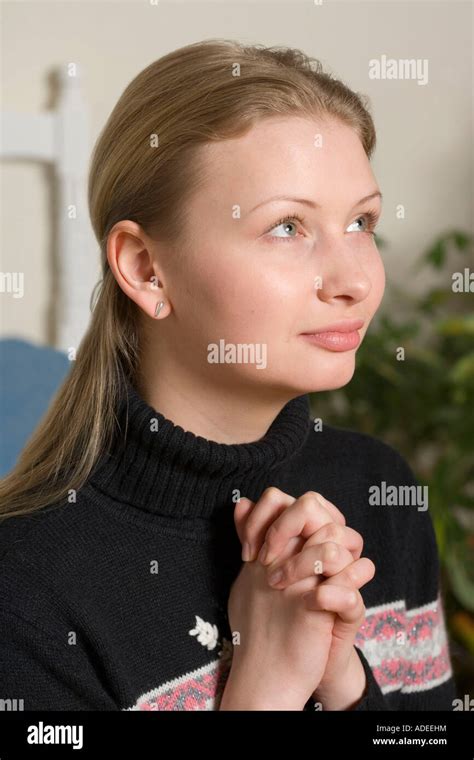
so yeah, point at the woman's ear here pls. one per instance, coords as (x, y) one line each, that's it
(133, 264)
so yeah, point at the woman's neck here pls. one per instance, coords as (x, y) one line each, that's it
(225, 415)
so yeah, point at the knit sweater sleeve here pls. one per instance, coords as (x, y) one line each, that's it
(403, 646)
(38, 672)
(418, 649)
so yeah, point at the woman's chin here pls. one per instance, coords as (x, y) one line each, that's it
(328, 378)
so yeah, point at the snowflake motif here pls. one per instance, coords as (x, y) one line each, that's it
(207, 634)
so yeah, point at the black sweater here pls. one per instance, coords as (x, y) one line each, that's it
(116, 598)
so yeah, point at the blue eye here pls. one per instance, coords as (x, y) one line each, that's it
(286, 221)
(370, 219)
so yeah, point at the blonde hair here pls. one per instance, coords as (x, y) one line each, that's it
(203, 92)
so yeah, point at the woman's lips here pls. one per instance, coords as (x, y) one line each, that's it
(342, 336)
(334, 341)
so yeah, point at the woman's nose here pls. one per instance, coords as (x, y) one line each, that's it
(342, 277)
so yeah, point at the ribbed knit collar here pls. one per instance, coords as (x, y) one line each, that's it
(160, 467)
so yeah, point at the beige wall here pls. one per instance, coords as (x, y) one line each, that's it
(424, 158)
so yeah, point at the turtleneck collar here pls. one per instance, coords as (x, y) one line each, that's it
(157, 466)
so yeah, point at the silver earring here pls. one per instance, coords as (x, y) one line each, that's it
(159, 306)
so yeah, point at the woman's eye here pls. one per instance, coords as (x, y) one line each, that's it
(285, 227)
(288, 227)
(360, 219)
(369, 220)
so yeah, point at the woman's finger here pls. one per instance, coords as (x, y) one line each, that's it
(302, 518)
(352, 578)
(264, 511)
(354, 575)
(325, 559)
(345, 602)
(242, 511)
(241, 514)
(338, 534)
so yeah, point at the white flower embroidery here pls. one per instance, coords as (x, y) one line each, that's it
(207, 634)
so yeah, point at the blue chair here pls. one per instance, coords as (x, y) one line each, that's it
(29, 378)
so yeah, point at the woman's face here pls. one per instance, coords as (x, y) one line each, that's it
(246, 278)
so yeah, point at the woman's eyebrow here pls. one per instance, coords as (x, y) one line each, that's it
(313, 204)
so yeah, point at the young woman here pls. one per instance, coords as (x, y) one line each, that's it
(233, 199)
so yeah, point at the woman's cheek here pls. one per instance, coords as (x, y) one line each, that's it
(378, 280)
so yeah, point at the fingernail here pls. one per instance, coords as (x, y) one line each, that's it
(275, 577)
(246, 553)
(263, 553)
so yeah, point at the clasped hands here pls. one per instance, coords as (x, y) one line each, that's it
(302, 550)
